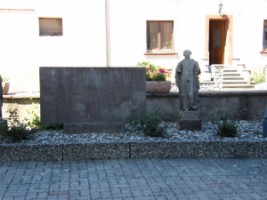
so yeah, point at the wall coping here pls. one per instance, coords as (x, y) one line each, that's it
(23, 95)
(215, 93)
(36, 95)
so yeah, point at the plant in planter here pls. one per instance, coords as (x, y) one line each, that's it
(156, 78)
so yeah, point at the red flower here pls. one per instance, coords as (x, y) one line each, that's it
(162, 71)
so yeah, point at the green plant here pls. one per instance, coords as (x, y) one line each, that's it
(34, 121)
(226, 126)
(258, 77)
(18, 133)
(153, 73)
(17, 130)
(5, 79)
(150, 125)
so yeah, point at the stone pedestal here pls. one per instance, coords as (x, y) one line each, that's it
(3, 126)
(189, 120)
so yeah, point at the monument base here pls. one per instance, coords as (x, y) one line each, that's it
(189, 120)
(3, 126)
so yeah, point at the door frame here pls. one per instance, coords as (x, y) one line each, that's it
(228, 51)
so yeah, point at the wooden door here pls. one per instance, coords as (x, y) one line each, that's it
(217, 36)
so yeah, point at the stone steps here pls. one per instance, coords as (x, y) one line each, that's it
(233, 79)
(239, 86)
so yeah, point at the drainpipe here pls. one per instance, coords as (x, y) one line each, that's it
(107, 15)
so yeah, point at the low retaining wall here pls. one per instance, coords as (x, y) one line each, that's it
(66, 152)
(248, 105)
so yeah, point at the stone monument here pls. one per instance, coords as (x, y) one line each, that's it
(187, 81)
(3, 123)
(93, 99)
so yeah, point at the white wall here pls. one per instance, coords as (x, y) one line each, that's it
(84, 33)
(128, 30)
(23, 50)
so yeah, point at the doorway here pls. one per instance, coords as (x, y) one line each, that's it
(217, 40)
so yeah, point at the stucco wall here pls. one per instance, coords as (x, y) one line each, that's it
(113, 33)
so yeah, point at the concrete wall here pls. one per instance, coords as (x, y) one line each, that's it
(91, 98)
(249, 105)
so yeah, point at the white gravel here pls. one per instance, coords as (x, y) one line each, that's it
(247, 130)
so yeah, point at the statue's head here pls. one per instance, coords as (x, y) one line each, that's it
(187, 53)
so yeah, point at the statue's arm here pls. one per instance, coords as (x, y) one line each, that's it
(197, 68)
(178, 72)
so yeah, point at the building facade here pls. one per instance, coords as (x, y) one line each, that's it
(115, 33)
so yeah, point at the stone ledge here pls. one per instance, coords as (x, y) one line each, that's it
(22, 95)
(175, 94)
(133, 150)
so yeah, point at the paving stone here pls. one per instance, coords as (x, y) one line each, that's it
(157, 179)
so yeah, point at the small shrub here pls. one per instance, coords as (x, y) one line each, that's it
(21, 130)
(150, 125)
(17, 130)
(18, 133)
(258, 77)
(226, 126)
(34, 121)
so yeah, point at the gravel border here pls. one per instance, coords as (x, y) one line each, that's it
(126, 144)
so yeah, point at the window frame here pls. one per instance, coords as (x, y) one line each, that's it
(159, 49)
(48, 31)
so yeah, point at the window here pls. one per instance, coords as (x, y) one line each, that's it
(264, 45)
(50, 26)
(159, 36)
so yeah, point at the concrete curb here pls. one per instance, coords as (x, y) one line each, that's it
(133, 150)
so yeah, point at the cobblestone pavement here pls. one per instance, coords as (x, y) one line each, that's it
(135, 179)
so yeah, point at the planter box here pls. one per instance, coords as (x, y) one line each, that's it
(158, 86)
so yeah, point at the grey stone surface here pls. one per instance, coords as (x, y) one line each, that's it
(186, 124)
(189, 120)
(134, 150)
(262, 149)
(229, 150)
(103, 97)
(187, 81)
(3, 126)
(249, 105)
(162, 150)
(215, 179)
(189, 115)
(22, 152)
(95, 151)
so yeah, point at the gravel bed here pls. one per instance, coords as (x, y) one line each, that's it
(247, 131)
